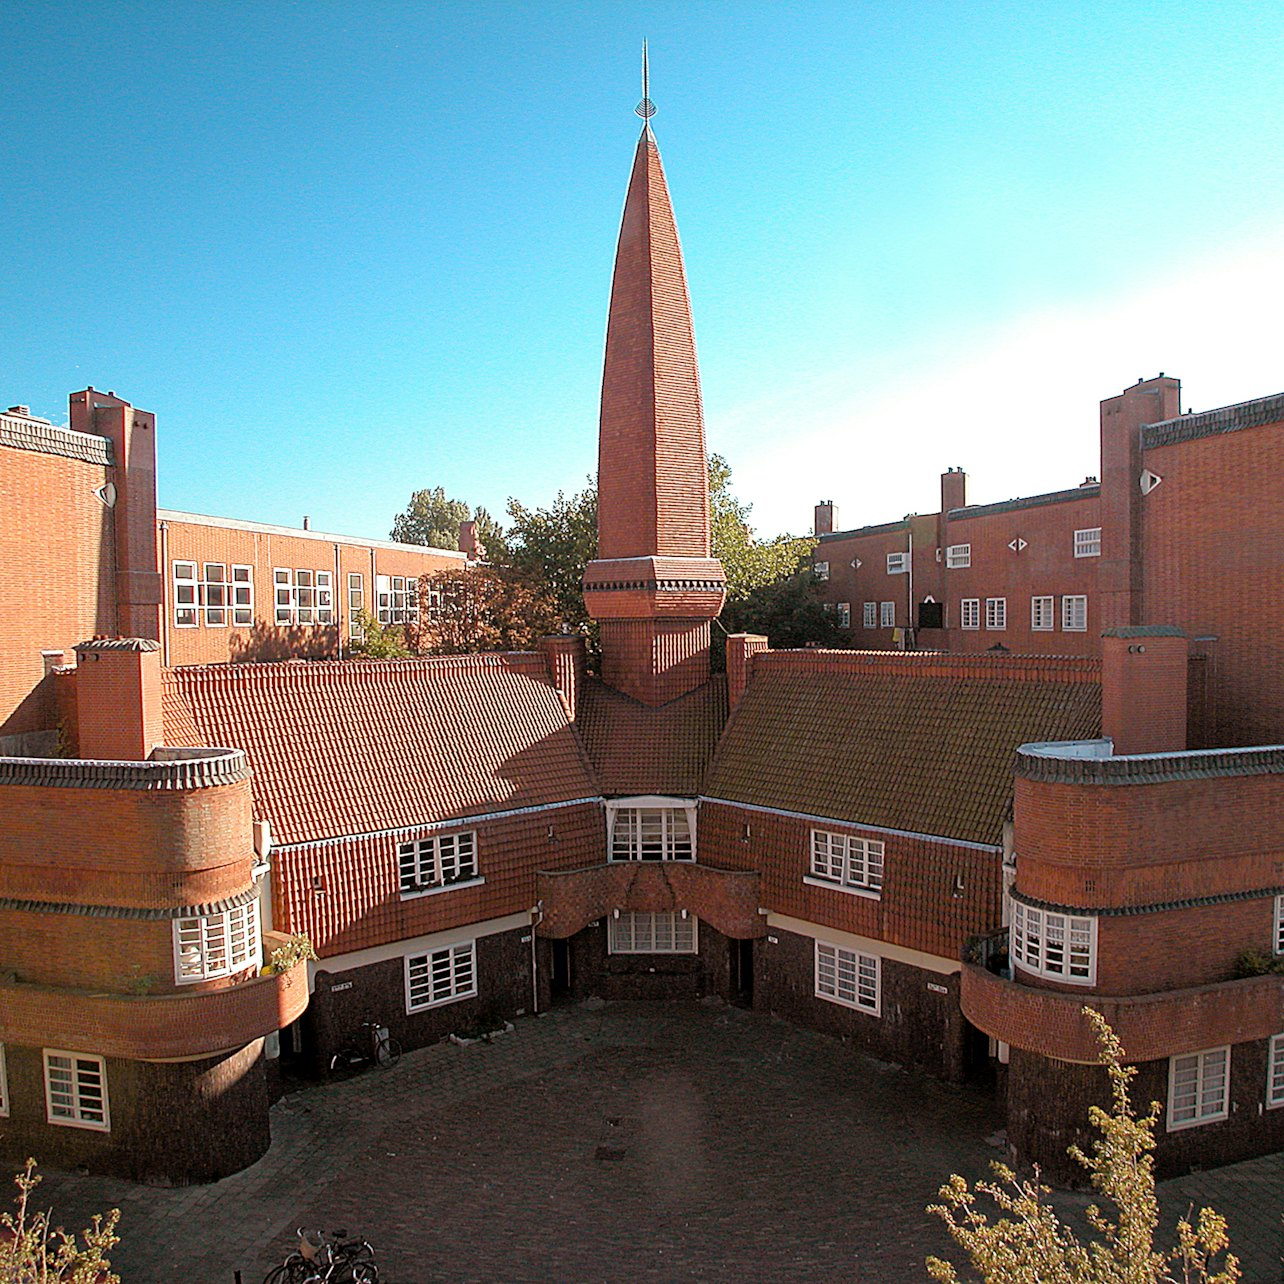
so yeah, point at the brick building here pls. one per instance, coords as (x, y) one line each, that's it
(940, 854)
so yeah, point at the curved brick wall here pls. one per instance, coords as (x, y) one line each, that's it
(132, 835)
(152, 1027)
(725, 899)
(1150, 1027)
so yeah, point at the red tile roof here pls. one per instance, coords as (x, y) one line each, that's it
(176, 714)
(636, 749)
(919, 742)
(352, 747)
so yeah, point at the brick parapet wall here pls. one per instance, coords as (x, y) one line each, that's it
(996, 668)
(1149, 1026)
(1098, 846)
(726, 899)
(152, 1027)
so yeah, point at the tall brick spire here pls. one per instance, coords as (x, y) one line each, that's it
(655, 587)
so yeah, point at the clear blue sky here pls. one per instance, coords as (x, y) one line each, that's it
(348, 250)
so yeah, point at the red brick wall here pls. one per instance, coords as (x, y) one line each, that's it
(57, 575)
(359, 905)
(1212, 536)
(265, 550)
(1133, 845)
(935, 894)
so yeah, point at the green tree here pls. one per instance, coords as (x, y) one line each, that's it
(32, 1251)
(548, 549)
(378, 641)
(788, 611)
(479, 608)
(1030, 1245)
(433, 519)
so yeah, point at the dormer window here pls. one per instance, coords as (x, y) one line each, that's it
(651, 828)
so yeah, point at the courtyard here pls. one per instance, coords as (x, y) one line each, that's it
(622, 1141)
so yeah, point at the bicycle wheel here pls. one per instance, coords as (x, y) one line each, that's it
(365, 1273)
(294, 1270)
(387, 1052)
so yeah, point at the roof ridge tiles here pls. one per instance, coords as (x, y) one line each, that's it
(932, 664)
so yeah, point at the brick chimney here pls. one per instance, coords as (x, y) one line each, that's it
(1143, 688)
(741, 649)
(1148, 401)
(132, 434)
(826, 517)
(470, 543)
(953, 489)
(118, 698)
(564, 655)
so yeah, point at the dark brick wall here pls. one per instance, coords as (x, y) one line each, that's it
(595, 971)
(918, 1026)
(174, 1124)
(378, 993)
(1048, 1111)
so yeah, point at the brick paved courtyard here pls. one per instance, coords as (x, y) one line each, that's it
(628, 1142)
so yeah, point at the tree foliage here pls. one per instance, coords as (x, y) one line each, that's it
(548, 549)
(433, 519)
(378, 641)
(32, 1251)
(1030, 1245)
(479, 609)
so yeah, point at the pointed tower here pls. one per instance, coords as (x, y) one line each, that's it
(653, 588)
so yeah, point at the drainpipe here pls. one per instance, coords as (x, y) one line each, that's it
(338, 604)
(537, 917)
(909, 607)
(166, 586)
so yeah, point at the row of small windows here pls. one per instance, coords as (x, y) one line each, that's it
(216, 595)
(993, 610)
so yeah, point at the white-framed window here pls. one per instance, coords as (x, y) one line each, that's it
(186, 595)
(1277, 934)
(844, 615)
(970, 613)
(847, 861)
(76, 1090)
(4, 1086)
(303, 596)
(887, 615)
(217, 944)
(870, 615)
(1062, 947)
(957, 556)
(1088, 543)
(1043, 614)
(1275, 1072)
(356, 602)
(428, 864)
(441, 976)
(848, 977)
(1074, 613)
(1198, 1088)
(820, 570)
(996, 613)
(397, 599)
(898, 563)
(651, 831)
(664, 932)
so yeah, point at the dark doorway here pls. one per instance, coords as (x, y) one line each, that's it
(742, 973)
(559, 982)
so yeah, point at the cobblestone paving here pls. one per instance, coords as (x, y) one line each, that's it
(632, 1142)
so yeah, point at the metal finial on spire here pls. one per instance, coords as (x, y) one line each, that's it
(646, 108)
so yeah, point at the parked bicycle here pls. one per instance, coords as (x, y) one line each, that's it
(374, 1044)
(327, 1259)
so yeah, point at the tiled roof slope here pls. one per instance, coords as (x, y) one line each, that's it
(352, 747)
(636, 749)
(918, 742)
(176, 714)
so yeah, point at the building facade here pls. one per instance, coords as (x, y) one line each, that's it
(938, 853)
